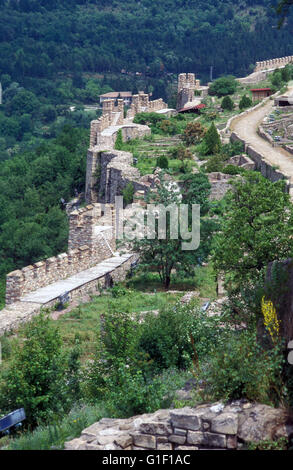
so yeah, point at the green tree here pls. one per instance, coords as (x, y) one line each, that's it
(245, 102)
(164, 254)
(36, 379)
(227, 103)
(223, 86)
(212, 140)
(193, 133)
(256, 229)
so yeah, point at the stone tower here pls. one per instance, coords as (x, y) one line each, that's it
(186, 86)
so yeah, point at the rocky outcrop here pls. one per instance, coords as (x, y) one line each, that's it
(213, 426)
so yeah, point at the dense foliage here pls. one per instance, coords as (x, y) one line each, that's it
(33, 224)
(40, 38)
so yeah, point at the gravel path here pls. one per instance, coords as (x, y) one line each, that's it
(247, 126)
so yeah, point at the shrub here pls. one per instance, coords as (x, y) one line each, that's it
(215, 163)
(239, 368)
(181, 153)
(227, 103)
(245, 102)
(162, 162)
(231, 170)
(193, 133)
(223, 86)
(39, 377)
(212, 140)
(119, 140)
(168, 338)
(128, 193)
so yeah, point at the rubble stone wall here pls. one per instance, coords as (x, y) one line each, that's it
(213, 426)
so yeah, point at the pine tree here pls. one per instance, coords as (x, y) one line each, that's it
(227, 103)
(212, 140)
(245, 102)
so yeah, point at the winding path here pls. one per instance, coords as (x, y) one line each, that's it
(246, 127)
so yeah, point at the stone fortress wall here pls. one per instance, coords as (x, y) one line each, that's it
(263, 68)
(91, 241)
(273, 63)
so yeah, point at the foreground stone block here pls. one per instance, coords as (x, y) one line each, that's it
(225, 424)
(185, 418)
(197, 438)
(177, 439)
(144, 440)
(123, 441)
(160, 429)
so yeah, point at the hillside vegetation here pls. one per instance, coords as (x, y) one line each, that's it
(43, 38)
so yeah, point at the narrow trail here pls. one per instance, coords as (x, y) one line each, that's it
(246, 127)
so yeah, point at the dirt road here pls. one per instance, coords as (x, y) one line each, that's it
(246, 127)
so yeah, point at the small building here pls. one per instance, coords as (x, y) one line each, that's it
(259, 94)
(115, 95)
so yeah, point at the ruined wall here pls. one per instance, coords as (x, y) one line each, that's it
(115, 172)
(89, 227)
(273, 63)
(207, 426)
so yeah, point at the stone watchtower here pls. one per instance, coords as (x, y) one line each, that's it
(187, 84)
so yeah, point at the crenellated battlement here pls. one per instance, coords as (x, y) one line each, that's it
(273, 63)
(91, 240)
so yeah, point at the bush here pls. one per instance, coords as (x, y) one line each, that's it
(167, 339)
(119, 140)
(181, 153)
(215, 163)
(128, 193)
(223, 86)
(227, 103)
(40, 376)
(245, 102)
(162, 162)
(239, 368)
(193, 133)
(231, 170)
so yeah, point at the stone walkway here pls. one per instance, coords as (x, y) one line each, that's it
(53, 291)
(20, 312)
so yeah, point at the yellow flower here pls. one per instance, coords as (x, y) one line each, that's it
(271, 321)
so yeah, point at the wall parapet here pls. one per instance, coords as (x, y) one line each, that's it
(91, 240)
(273, 63)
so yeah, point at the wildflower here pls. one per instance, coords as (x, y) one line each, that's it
(271, 321)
